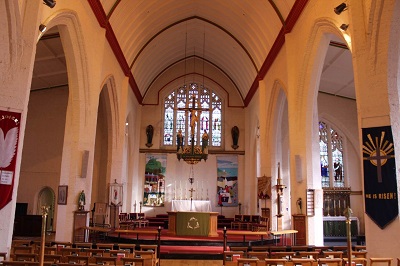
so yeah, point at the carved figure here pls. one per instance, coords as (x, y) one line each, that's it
(235, 137)
(81, 201)
(204, 141)
(149, 134)
(179, 141)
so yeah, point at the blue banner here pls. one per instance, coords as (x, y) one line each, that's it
(380, 185)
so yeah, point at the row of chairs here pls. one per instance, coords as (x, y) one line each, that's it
(306, 261)
(319, 249)
(289, 255)
(85, 253)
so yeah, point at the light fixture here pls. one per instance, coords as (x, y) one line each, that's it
(192, 154)
(42, 28)
(49, 3)
(344, 27)
(340, 8)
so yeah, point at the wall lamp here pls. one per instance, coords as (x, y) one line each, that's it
(344, 27)
(42, 27)
(49, 3)
(340, 8)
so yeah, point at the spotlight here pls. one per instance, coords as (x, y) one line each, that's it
(49, 3)
(340, 8)
(42, 27)
(344, 27)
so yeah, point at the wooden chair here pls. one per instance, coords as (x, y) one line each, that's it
(106, 260)
(261, 255)
(359, 248)
(307, 254)
(247, 261)
(68, 251)
(93, 252)
(359, 254)
(388, 261)
(83, 245)
(126, 247)
(133, 261)
(25, 257)
(118, 253)
(300, 248)
(333, 254)
(282, 254)
(229, 258)
(20, 263)
(339, 248)
(77, 259)
(54, 258)
(302, 262)
(107, 246)
(23, 249)
(148, 256)
(275, 262)
(244, 249)
(330, 262)
(277, 249)
(356, 261)
(260, 248)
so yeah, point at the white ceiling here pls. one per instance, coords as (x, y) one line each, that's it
(232, 36)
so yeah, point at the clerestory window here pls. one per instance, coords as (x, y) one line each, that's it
(177, 116)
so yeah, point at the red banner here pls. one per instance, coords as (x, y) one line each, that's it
(9, 134)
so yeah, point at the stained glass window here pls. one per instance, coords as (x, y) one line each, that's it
(331, 156)
(177, 116)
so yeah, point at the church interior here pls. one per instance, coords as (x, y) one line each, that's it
(271, 120)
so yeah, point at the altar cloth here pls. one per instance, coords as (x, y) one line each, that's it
(191, 206)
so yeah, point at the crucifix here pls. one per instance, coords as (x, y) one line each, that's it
(195, 112)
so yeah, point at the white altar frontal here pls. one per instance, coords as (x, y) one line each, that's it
(191, 206)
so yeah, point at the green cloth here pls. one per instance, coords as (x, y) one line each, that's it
(192, 223)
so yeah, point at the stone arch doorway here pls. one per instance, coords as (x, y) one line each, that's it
(46, 197)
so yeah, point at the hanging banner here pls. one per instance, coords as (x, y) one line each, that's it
(227, 181)
(380, 186)
(9, 134)
(154, 180)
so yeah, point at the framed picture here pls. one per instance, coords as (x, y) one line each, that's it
(115, 195)
(62, 195)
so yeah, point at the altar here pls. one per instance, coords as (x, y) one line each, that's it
(192, 223)
(191, 206)
(335, 226)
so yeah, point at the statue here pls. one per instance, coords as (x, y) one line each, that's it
(235, 137)
(81, 201)
(204, 142)
(149, 133)
(193, 120)
(179, 141)
(299, 206)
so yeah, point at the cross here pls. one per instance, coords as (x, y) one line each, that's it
(194, 113)
(378, 157)
(191, 196)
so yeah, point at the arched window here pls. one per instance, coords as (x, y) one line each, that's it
(331, 156)
(177, 116)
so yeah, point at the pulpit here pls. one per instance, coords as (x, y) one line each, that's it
(193, 223)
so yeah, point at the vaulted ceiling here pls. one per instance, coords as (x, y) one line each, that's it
(240, 39)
